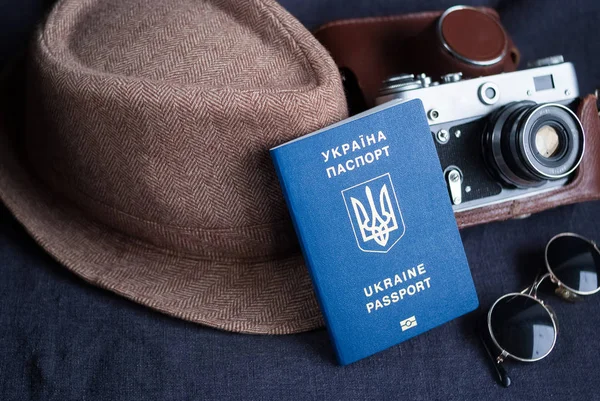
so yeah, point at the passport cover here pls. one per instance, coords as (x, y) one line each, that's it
(371, 210)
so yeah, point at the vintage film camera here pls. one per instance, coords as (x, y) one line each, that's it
(501, 137)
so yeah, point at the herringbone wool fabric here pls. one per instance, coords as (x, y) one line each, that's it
(145, 165)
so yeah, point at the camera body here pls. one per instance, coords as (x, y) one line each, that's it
(503, 137)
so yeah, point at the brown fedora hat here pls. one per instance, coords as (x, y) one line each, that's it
(142, 164)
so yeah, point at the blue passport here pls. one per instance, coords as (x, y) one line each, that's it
(371, 210)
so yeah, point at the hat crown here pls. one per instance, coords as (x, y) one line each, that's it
(155, 118)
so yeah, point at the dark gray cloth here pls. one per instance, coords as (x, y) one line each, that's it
(61, 339)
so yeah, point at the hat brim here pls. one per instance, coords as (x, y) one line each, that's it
(261, 297)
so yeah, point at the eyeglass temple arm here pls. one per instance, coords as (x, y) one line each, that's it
(560, 290)
(532, 289)
(496, 363)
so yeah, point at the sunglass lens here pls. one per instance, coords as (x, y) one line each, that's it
(575, 262)
(522, 326)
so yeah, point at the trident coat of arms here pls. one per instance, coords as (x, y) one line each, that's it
(375, 214)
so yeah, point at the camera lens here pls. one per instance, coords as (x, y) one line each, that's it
(547, 141)
(527, 144)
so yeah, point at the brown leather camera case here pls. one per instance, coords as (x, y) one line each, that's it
(371, 49)
(376, 48)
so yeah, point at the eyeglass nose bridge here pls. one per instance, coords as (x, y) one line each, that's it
(560, 290)
(567, 295)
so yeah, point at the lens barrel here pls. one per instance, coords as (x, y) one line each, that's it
(526, 143)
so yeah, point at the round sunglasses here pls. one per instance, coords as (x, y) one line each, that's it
(520, 326)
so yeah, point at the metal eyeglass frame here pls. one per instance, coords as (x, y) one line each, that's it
(562, 290)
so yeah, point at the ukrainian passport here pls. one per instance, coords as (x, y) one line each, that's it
(371, 210)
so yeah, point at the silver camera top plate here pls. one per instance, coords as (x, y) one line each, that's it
(471, 98)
